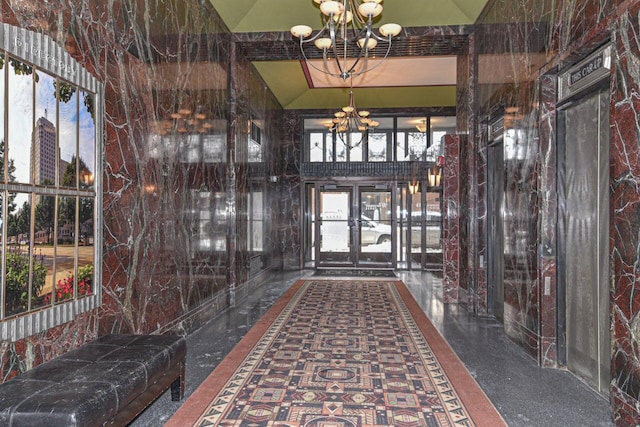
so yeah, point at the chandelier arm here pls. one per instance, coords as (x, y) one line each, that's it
(356, 14)
(317, 68)
(377, 65)
(364, 52)
(334, 47)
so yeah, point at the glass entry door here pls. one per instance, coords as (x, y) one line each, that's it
(335, 227)
(355, 227)
(375, 228)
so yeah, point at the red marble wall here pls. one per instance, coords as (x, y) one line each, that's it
(519, 47)
(452, 263)
(153, 61)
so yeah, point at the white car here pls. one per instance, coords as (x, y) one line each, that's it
(375, 233)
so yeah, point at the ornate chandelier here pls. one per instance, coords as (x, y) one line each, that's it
(350, 125)
(347, 27)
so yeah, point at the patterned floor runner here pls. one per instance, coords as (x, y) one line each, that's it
(341, 353)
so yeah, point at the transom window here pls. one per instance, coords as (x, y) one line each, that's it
(397, 139)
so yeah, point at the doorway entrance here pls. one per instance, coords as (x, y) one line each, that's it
(372, 225)
(354, 227)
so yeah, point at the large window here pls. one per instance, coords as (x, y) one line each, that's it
(417, 138)
(49, 173)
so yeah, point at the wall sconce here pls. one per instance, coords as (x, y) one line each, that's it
(414, 187)
(434, 176)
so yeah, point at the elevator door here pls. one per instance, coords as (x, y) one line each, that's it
(495, 238)
(584, 234)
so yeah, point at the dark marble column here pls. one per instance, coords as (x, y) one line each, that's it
(451, 220)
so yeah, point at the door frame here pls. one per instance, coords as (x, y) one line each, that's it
(355, 257)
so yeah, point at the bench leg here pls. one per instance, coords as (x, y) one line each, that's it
(177, 386)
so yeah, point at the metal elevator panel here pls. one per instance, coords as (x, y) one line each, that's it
(586, 235)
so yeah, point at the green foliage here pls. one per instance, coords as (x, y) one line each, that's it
(45, 215)
(64, 91)
(89, 102)
(85, 273)
(17, 281)
(22, 69)
(12, 176)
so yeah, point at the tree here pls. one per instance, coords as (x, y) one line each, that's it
(12, 177)
(19, 222)
(45, 214)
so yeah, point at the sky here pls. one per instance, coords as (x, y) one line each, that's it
(23, 114)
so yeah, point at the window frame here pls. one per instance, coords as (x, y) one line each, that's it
(43, 53)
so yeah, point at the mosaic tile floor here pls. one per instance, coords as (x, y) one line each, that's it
(340, 353)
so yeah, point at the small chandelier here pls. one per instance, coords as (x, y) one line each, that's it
(350, 125)
(347, 26)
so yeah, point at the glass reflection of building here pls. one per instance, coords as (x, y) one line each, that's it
(43, 152)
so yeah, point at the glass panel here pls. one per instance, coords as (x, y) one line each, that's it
(20, 97)
(87, 139)
(411, 138)
(86, 252)
(334, 227)
(43, 236)
(416, 223)
(355, 154)
(401, 147)
(341, 151)
(19, 247)
(328, 147)
(377, 147)
(68, 133)
(45, 143)
(65, 250)
(316, 150)
(440, 126)
(375, 221)
(433, 222)
(417, 143)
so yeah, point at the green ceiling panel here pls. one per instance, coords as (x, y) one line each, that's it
(281, 15)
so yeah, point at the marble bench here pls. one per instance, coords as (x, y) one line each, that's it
(108, 381)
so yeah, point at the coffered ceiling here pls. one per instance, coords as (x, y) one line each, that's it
(421, 72)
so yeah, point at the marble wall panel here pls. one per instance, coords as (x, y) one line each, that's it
(625, 213)
(451, 222)
(176, 175)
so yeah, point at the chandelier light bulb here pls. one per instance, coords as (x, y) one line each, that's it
(301, 31)
(347, 24)
(370, 9)
(390, 30)
(323, 43)
(329, 8)
(371, 43)
(348, 109)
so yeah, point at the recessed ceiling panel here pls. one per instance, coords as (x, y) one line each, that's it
(392, 72)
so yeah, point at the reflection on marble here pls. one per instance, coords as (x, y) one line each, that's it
(178, 101)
